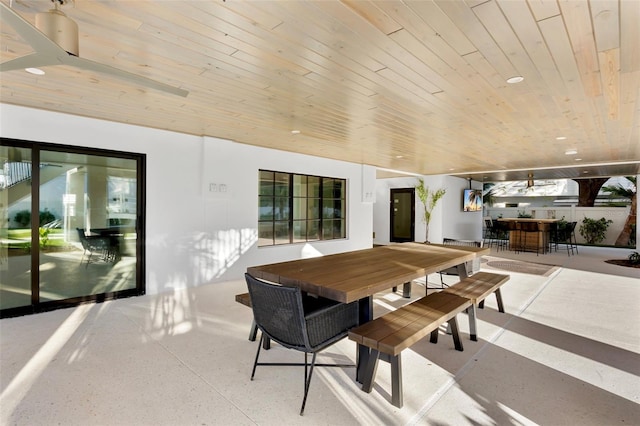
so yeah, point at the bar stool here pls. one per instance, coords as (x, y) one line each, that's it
(552, 240)
(501, 232)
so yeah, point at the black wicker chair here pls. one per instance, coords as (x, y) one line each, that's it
(454, 270)
(303, 323)
(94, 246)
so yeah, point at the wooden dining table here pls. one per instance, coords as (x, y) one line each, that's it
(358, 275)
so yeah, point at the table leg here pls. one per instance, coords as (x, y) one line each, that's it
(462, 270)
(365, 313)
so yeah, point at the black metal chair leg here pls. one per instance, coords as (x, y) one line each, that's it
(307, 379)
(255, 362)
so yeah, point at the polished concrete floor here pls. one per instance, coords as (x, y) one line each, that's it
(566, 352)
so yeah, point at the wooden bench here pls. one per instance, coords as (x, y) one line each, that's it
(477, 288)
(245, 300)
(390, 334)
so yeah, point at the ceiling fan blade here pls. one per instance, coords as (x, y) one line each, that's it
(36, 39)
(125, 75)
(35, 60)
(49, 53)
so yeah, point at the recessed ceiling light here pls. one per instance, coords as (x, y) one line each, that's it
(571, 151)
(515, 79)
(399, 156)
(34, 71)
(578, 159)
(295, 132)
(585, 171)
(561, 138)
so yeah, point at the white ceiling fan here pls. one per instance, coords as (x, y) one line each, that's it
(54, 40)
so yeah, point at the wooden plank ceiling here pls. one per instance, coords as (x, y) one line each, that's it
(417, 86)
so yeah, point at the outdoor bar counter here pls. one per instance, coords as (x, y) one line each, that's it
(531, 240)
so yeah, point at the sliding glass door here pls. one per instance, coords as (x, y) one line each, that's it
(15, 234)
(85, 242)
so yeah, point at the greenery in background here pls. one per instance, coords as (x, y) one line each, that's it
(44, 236)
(562, 223)
(21, 238)
(429, 200)
(487, 194)
(23, 218)
(524, 215)
(594, 230)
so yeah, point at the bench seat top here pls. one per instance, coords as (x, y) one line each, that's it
(401, 328)
(478, 286)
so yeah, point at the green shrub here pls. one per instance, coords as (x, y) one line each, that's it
(23, 218)
(46, 216)
(594, 231)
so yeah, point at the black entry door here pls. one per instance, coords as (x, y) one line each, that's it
(402, 215)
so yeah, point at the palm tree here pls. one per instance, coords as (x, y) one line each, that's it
(624, 239)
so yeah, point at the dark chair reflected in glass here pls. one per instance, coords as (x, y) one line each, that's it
(300, 322)
(95, 248)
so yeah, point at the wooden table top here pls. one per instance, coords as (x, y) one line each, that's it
(350, 276)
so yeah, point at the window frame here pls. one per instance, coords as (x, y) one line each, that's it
(302, 191)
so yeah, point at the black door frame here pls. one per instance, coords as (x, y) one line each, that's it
(36, 305)
(411, 191)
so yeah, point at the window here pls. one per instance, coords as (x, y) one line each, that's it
(297, 208)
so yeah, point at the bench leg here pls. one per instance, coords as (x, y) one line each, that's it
(396, 380)
(434, 336)
(453, 322)
(370, 371)
(406, 290)
(499, 300)
(473, 333)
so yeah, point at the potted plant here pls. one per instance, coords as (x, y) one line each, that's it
(594, 230)
(429, 200)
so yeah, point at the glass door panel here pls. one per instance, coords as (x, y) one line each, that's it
(88, 236)
(15, 232)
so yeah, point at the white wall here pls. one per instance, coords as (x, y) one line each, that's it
(195, 236)
(447, 219)
(457, 223)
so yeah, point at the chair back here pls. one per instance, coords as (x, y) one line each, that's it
(278, 311)
(472, 265)
(467, 243)
(83, 239)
